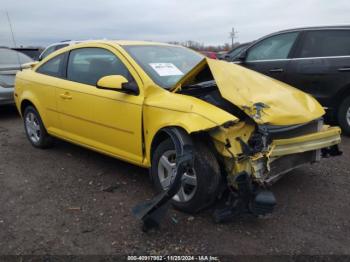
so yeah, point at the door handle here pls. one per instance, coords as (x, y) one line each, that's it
(66, 96)
(344, 69)
(276, 70)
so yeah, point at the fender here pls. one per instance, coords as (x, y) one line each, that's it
(175, 110)
(28, 87)
(160, 124)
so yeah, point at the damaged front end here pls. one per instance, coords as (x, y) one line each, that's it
(280, 128)
(256, 156)
(275, 128)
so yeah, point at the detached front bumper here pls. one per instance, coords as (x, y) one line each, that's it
(287, 154)
(327, 137)
(279, 157)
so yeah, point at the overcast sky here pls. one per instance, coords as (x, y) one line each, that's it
(41, 22)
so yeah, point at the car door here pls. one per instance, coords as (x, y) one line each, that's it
(321, 65)
(270, 56)
(105, 120)
(50, 76)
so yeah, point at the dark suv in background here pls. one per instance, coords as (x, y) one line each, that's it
(315, 60)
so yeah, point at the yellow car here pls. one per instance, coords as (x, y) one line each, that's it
(147, 103)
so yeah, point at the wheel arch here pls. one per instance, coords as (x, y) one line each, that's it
(341, 96)
(31, 101)
(24, 104)
(170, 132)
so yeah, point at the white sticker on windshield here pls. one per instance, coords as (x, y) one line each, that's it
(166, 69)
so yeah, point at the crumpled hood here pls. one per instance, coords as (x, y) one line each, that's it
(264, 99)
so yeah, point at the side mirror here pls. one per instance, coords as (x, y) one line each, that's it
(117, 83)
(242, 56)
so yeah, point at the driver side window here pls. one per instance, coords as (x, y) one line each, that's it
(88, 65)
(275, 47)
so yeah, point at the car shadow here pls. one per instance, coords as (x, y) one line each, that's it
(8, 112)
(108, 169)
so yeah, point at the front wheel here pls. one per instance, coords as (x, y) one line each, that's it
(34, 128)
(344, 116)
(200, 185)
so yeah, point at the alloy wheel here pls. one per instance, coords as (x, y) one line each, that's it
(166, 174)
(33, 127)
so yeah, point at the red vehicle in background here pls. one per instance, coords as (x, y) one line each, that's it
(209, 54)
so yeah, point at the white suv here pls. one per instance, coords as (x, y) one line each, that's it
(53, 47)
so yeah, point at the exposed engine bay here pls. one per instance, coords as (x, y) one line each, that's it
(209, 92)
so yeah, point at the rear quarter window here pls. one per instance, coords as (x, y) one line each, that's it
(324, 43)
(53, 67)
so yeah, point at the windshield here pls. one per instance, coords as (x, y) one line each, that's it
(11, 57)
(166, 65)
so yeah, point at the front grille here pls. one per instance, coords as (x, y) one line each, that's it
(284, 132)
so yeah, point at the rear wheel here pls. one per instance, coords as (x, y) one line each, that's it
(200, 184)
(35, 130)
(344, 116)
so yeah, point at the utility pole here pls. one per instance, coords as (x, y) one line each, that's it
(233, 34)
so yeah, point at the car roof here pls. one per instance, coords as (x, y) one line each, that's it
(135, 42)
(301, 29)
(331, 27)
(112, 42)
(88, 43)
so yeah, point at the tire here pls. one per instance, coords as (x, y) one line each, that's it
(190, 198)
(344, 116)
(35, 130)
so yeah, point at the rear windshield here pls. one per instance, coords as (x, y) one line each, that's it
(11, 57)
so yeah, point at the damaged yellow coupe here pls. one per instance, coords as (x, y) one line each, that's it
(158, 105)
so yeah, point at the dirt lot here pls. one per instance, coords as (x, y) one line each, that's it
(51, 202)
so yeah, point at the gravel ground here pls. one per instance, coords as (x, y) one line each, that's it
(52, 202)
